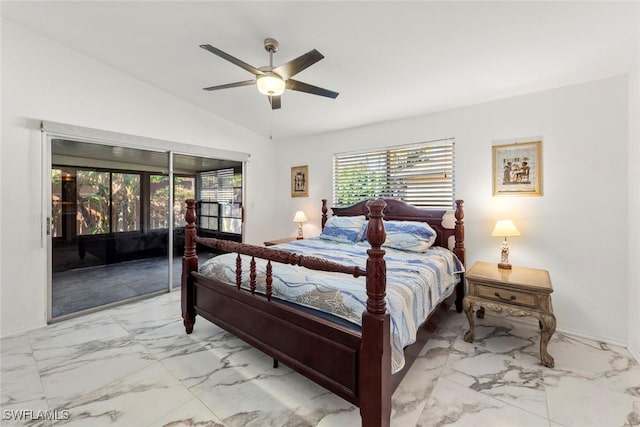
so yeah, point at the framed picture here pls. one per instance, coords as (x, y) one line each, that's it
(517, 169)
(300, 181)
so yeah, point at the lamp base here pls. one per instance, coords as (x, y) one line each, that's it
(504, 266)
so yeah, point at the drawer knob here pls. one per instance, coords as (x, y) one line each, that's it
(512, 298)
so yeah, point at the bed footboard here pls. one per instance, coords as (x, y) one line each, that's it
(354, 365)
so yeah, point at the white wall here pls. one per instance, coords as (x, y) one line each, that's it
(584, 128)
(44, 80)
(634, 214)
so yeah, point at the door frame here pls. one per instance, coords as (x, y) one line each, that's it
(54, 130)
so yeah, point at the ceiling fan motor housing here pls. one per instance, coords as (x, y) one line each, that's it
(271, 45)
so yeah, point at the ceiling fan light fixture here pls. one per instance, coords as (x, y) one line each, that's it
(272, 81)
(270, 84)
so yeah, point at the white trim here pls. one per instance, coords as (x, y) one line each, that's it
(634, 352)
(171, 221)
(597, 338)
(50, 130)
(45, 210)
(393, 147)
(79, 133)
(533, 322)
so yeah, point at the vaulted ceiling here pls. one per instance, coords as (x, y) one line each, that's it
(388, 60)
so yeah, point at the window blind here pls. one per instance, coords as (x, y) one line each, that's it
(420, 174)
(217, 186)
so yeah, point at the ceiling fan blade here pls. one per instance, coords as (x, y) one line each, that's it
(276, 102)
(233, 59)
(293, 67)
(305, 87)
(228, 85)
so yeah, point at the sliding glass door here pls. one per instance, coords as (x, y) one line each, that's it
(216, 185)
(109, 225)
(116, 220)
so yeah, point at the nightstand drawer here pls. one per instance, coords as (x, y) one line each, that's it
(506, 295)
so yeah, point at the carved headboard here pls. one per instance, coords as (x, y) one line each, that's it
(398, 210)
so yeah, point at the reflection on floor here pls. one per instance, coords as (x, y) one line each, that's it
(133, 365)
(90, 287)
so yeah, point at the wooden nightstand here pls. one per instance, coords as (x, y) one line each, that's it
(278, 241)
(519, 292)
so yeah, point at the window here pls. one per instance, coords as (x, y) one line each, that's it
(125, 194)
(56, 202)
(94, 191)
(217, 186)
(220, 201)
(184, 188)
(86, 202)
(420, 174)
(158, 202)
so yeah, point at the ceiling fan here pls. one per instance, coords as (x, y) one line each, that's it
(270, 80)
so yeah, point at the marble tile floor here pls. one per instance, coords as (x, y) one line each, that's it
(133, 365)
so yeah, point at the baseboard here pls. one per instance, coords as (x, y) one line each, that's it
(580, 334)
(634, 352)
(23, 329)
(528, 320)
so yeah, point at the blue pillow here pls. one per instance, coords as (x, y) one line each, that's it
(344, 229)
(410, 236)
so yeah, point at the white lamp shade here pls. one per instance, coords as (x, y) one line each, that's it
(300, 217)
(505, 228)
(270, 84)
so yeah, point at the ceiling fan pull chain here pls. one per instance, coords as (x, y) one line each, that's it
(271, 124)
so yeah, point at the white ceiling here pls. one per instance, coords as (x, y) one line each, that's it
(388, 60)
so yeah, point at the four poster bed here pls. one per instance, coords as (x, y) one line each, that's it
(346, 339)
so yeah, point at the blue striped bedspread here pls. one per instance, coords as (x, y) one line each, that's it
(416, 282)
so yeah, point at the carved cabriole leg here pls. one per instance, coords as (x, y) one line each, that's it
(548, 321)
(467, 307)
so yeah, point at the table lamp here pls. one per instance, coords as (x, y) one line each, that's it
(300, 217)
(505, 228)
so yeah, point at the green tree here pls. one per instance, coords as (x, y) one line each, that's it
(359, 182)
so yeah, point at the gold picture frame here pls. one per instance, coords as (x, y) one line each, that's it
(517, 169)
(300, 181)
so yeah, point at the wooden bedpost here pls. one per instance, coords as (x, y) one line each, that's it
(189, 264)
(324, 212)
(375, 351)
(460, 251)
